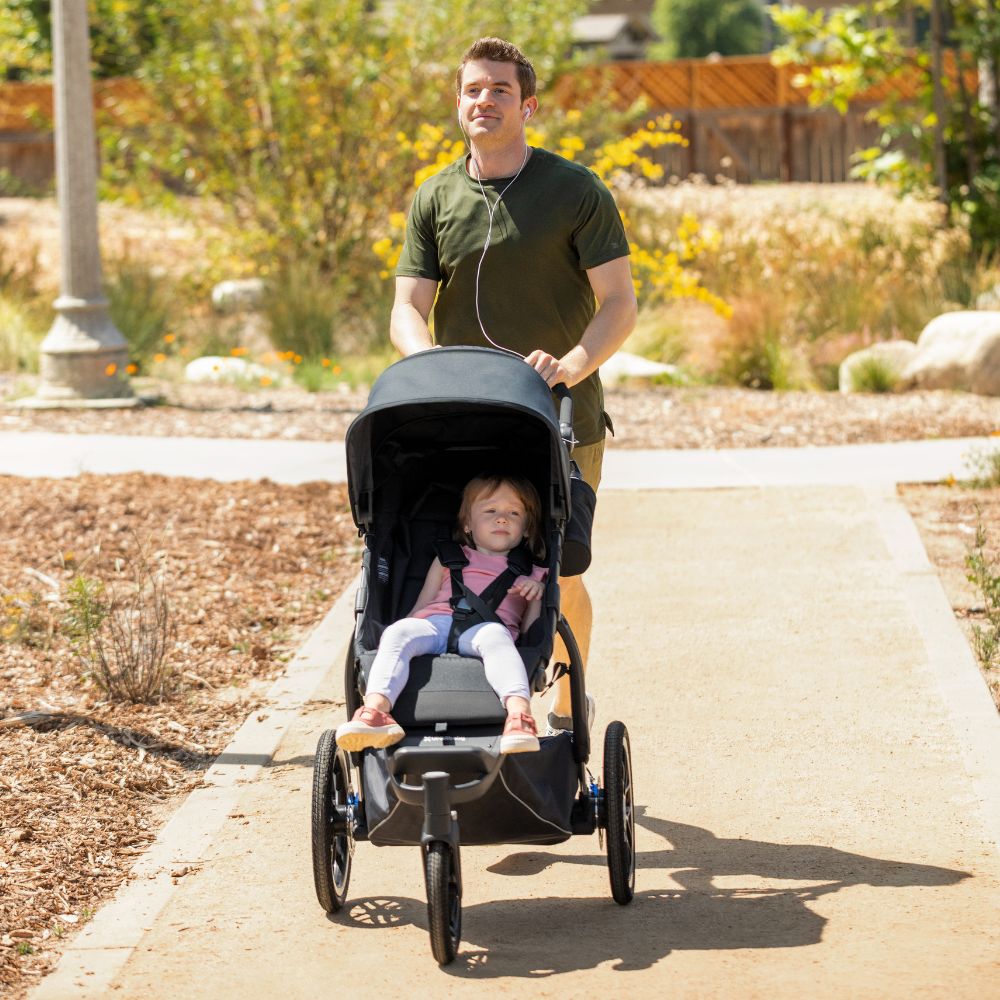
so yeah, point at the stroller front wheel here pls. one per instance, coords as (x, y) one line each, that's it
(444, 902)
(332, 834)
(619, 813)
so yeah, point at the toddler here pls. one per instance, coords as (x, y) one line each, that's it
(497, 513)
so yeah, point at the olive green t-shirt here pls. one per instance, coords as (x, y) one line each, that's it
(555, 221)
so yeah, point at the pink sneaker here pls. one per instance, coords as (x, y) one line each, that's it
(369, 728)
(520, 734)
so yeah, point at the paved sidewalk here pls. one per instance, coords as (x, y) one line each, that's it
(816, 764)
(41, 454)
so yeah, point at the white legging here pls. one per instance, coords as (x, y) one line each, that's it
(409, 637)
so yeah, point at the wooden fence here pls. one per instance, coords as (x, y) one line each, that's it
(742, 116)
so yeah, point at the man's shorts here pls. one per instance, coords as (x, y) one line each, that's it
(590, 459)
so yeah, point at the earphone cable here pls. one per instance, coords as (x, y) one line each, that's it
(491, 212)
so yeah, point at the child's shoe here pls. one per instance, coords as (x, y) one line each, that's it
(367, 729)
(520, 734)
(564, 723)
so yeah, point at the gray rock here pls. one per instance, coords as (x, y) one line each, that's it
(239, 295)
(894, 355)
(622, 366)
(958, 350)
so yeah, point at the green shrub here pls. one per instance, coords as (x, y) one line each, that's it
(140, 303)
(19, 337)
(875, 375)
(123, 630)
(983, 572)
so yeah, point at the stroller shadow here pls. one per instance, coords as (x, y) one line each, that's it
(688, 912)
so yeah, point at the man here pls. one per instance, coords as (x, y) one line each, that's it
(511, 246)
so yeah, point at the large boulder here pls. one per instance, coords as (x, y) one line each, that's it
(959, 350)
(891, 355)
(623, 366)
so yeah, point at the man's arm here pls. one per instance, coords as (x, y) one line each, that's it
(605, 333)
(408, 329)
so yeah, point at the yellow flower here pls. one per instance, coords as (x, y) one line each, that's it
(169, 338)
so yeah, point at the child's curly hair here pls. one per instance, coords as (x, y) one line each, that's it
(526, 493)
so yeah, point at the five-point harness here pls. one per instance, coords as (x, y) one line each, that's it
(468, 608)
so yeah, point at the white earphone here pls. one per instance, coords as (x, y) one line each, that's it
(527, 113)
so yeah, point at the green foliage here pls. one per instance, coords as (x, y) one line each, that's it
(856, 47)
(122, 33)
(983, 572)
(875, 375)
(140, 304)
(24, 314)
(286, 114)
(123, 630)
(692, 29)
(304, 311)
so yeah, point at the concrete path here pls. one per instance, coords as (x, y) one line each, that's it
(43, 454)
(817, 766)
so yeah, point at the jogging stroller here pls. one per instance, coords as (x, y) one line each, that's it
(433, 421)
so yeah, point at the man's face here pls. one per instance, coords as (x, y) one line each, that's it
(489, 105)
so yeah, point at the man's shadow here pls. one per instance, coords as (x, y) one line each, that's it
(538, 937)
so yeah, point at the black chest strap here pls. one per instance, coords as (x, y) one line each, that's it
(467, 607)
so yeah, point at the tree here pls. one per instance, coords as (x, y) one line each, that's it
(697, 28)
(948, 138)
(122, 33)
(293, 118)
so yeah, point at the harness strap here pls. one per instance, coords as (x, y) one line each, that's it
(469, 608)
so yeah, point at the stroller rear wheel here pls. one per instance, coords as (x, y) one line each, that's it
(619, 813)
(332, 834)
(444, 902)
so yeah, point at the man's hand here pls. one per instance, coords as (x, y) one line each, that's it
(530, 590)
(551, 369)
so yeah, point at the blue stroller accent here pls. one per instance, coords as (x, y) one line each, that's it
(433, 421)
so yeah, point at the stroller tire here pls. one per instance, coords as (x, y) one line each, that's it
(332, 837)
(619, 812)
(444, 902)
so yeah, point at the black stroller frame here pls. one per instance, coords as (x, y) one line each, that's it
(434, 420)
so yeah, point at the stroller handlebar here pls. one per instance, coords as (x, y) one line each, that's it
(562, 393)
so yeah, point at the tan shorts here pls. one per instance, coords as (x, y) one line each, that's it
(590, 458)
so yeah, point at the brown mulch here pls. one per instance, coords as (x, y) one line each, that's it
(645, 417)
(947, 517)
(86, 782)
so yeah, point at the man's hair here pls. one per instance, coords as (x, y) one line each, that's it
(497, 50)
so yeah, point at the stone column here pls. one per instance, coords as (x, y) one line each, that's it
(84, 355)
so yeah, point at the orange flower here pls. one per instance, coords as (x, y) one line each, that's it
(326, 362)
(111, 369)
(336, 369)
(265, 380)
(132, 369)
(159, 358)
(169, 338)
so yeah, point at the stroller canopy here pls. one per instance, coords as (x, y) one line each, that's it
(476, 408)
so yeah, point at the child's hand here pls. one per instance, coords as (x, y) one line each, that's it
(530, 590)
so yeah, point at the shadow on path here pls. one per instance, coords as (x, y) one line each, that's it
(539, 937)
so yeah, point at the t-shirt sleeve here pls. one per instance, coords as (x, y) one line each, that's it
(419, 258)
(599, 235)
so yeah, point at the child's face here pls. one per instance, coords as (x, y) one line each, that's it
(497, 521)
